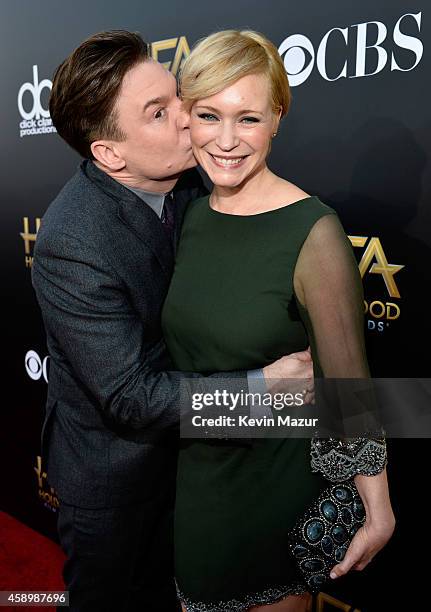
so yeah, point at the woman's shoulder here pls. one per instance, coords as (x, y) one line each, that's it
(292, 194)
(311, 207)
(320, 207)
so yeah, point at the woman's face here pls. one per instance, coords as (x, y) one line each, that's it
(231, 130)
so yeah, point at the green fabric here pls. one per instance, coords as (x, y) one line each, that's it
(231, 306)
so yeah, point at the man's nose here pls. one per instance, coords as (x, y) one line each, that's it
(183, 119)
(227, 137)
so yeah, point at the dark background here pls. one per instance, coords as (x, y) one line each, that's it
(360, 143)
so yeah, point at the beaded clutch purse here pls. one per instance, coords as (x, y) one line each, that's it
(319, 540)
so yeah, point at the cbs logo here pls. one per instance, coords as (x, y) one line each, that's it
(296, 47)
(35, 367)
(34, 89)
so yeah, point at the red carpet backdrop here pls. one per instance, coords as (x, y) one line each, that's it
(357, 135)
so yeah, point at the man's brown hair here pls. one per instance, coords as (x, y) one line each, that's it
(86, 86)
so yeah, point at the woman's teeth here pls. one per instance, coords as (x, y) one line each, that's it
(228, 162)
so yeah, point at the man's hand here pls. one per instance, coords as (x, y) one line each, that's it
(291, 374)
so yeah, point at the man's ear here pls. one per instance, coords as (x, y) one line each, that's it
(108, 154)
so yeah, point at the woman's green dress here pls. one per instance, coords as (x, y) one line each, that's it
(232, 306)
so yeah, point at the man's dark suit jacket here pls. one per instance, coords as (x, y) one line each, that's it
(101, 271)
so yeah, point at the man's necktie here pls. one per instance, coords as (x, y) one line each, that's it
(168, 216)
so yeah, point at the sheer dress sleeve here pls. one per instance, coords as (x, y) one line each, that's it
(329, 288)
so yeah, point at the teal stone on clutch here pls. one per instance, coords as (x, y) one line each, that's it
(346, 516)
(358, 509)
(342, 494)
(339, 534)
(317, 581)
(313, 565)
(355, 529)
(340, 553)
(300, 551)
(314, 530)
(327, 545)
(329, 510)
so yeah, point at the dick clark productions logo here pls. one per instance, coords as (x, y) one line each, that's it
(35, 118)
(370, 37)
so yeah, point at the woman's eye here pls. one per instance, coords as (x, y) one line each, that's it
(207, 117)
(160, 113)
(250, 120)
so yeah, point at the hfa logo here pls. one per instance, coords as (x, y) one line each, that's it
(35, 118)
(182, 50)
(47, 497)
(333, 604)
(374, 261)
(29, 239)
(371, 46)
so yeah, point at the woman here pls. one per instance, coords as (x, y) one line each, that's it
(263, 269)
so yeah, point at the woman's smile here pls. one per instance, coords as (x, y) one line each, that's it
(227, 163)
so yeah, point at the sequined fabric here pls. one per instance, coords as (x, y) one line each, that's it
(268, 596)
(340, 460)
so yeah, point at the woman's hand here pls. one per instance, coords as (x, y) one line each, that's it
(367, 542)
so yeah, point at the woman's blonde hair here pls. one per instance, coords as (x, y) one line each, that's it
(221, 59)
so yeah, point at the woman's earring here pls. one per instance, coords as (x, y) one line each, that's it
(275, 134)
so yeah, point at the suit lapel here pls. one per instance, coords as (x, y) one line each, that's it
(180, 209)
(136, 215)
(146, 225)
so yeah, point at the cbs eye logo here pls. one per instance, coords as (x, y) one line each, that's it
(35, 367)
(367, 40)
(295, 60)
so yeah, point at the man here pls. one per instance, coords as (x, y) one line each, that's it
(102, 264)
